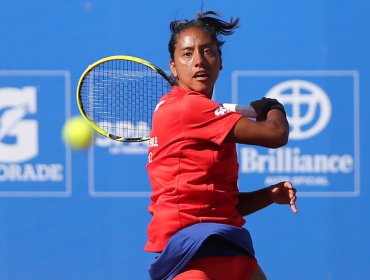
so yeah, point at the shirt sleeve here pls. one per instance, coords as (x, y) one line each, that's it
(203, 118)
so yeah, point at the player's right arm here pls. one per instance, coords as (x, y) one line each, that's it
(271, 129)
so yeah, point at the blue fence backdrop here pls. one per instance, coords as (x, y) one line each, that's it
(67, 214)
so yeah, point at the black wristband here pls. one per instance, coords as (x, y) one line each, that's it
(272, 104)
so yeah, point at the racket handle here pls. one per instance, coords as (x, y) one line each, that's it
(245, 110)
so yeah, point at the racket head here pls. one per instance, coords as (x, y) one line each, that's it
(117, 96)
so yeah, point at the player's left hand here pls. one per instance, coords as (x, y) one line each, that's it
(284, 193)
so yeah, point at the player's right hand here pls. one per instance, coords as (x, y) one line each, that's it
(264, 105)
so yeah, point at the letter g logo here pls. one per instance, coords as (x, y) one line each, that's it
(18, 136)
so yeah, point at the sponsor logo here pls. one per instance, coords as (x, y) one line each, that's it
(310, 107)
(292, 160)
(313, 160)
(220, 111)
(18, 135)
(34, 105)
(19, 139)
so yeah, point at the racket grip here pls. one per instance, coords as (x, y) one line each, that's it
(244, 110)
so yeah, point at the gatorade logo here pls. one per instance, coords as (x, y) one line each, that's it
(34, 105)
(18, 134)
(310, 107)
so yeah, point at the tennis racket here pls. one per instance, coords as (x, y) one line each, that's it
(117, 96)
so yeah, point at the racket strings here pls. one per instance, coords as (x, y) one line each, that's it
(119, 96)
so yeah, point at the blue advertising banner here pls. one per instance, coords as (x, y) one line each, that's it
(321, 106)
(31, 160)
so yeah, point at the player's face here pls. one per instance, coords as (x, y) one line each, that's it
(196, 61)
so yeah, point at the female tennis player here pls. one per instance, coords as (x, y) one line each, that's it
(196, 207)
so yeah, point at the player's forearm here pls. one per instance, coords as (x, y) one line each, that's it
(250, 202)
(279, 127)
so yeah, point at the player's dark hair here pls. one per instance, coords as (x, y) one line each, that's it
(206, 21)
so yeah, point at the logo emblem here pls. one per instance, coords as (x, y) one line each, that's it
(310, 107)
(18, 135)
(220, 111)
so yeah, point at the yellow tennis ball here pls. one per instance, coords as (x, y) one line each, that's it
(77, 133)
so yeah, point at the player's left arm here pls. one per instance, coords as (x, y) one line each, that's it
(281, 193)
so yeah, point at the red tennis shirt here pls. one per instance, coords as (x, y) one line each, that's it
(192, 171)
